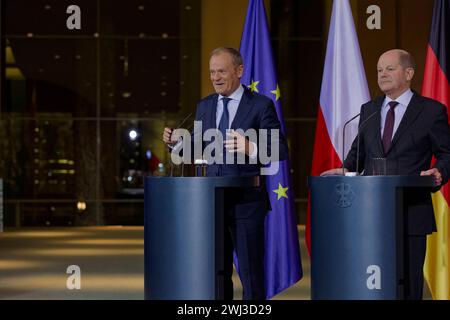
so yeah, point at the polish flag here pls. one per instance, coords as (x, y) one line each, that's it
(344, 90)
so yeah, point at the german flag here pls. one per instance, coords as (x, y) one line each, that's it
(436, 86)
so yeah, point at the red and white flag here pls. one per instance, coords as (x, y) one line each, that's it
(344, 90)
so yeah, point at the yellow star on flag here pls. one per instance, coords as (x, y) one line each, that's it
(253, 85)
(281, 192)
(276, 92)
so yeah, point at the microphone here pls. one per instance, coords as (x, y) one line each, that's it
(360, 127)
(199, 118)
(189, 128)
(184, 120)
(187, 117)
(180, 124)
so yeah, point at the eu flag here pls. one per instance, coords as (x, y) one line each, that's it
(283, 266)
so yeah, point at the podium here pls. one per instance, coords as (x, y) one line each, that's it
(183, 236)
(357, 235)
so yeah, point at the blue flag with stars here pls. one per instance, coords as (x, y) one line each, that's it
(283, 266)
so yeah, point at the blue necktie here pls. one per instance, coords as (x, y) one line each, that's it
(225, 120)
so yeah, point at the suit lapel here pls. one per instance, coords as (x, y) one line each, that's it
(212, 109)
(243, 109)
(412, 111)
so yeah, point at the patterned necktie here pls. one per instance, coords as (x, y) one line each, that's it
(389, 126)
(225, 120)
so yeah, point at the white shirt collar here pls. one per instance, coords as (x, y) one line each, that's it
(404, 98)
(236, 95)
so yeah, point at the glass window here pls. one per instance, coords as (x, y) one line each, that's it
(82, 111)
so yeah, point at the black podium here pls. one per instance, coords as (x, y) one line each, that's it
(184, 236)
(357, 228)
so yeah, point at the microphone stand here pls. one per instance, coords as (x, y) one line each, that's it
(171, 164)
(360, 126)
(357, 154)
(343, 142)
(170, 149)
(189, 129)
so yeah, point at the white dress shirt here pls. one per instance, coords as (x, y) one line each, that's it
(399, 110)
(233, 105)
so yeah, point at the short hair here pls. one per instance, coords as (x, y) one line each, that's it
(406, 60)
(235, 55)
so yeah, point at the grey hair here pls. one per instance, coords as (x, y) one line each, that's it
(235, 54)
(406, 60)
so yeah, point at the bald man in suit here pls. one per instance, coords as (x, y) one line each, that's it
(407, 130)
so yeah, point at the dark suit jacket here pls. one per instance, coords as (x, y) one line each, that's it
(423, 132)
(255, 111)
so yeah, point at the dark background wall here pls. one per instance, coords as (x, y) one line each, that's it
(69, 99)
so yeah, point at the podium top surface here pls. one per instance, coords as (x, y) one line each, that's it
(243, 182)
(401, 181)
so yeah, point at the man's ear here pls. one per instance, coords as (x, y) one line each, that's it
(409, 74)
(240, 71)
